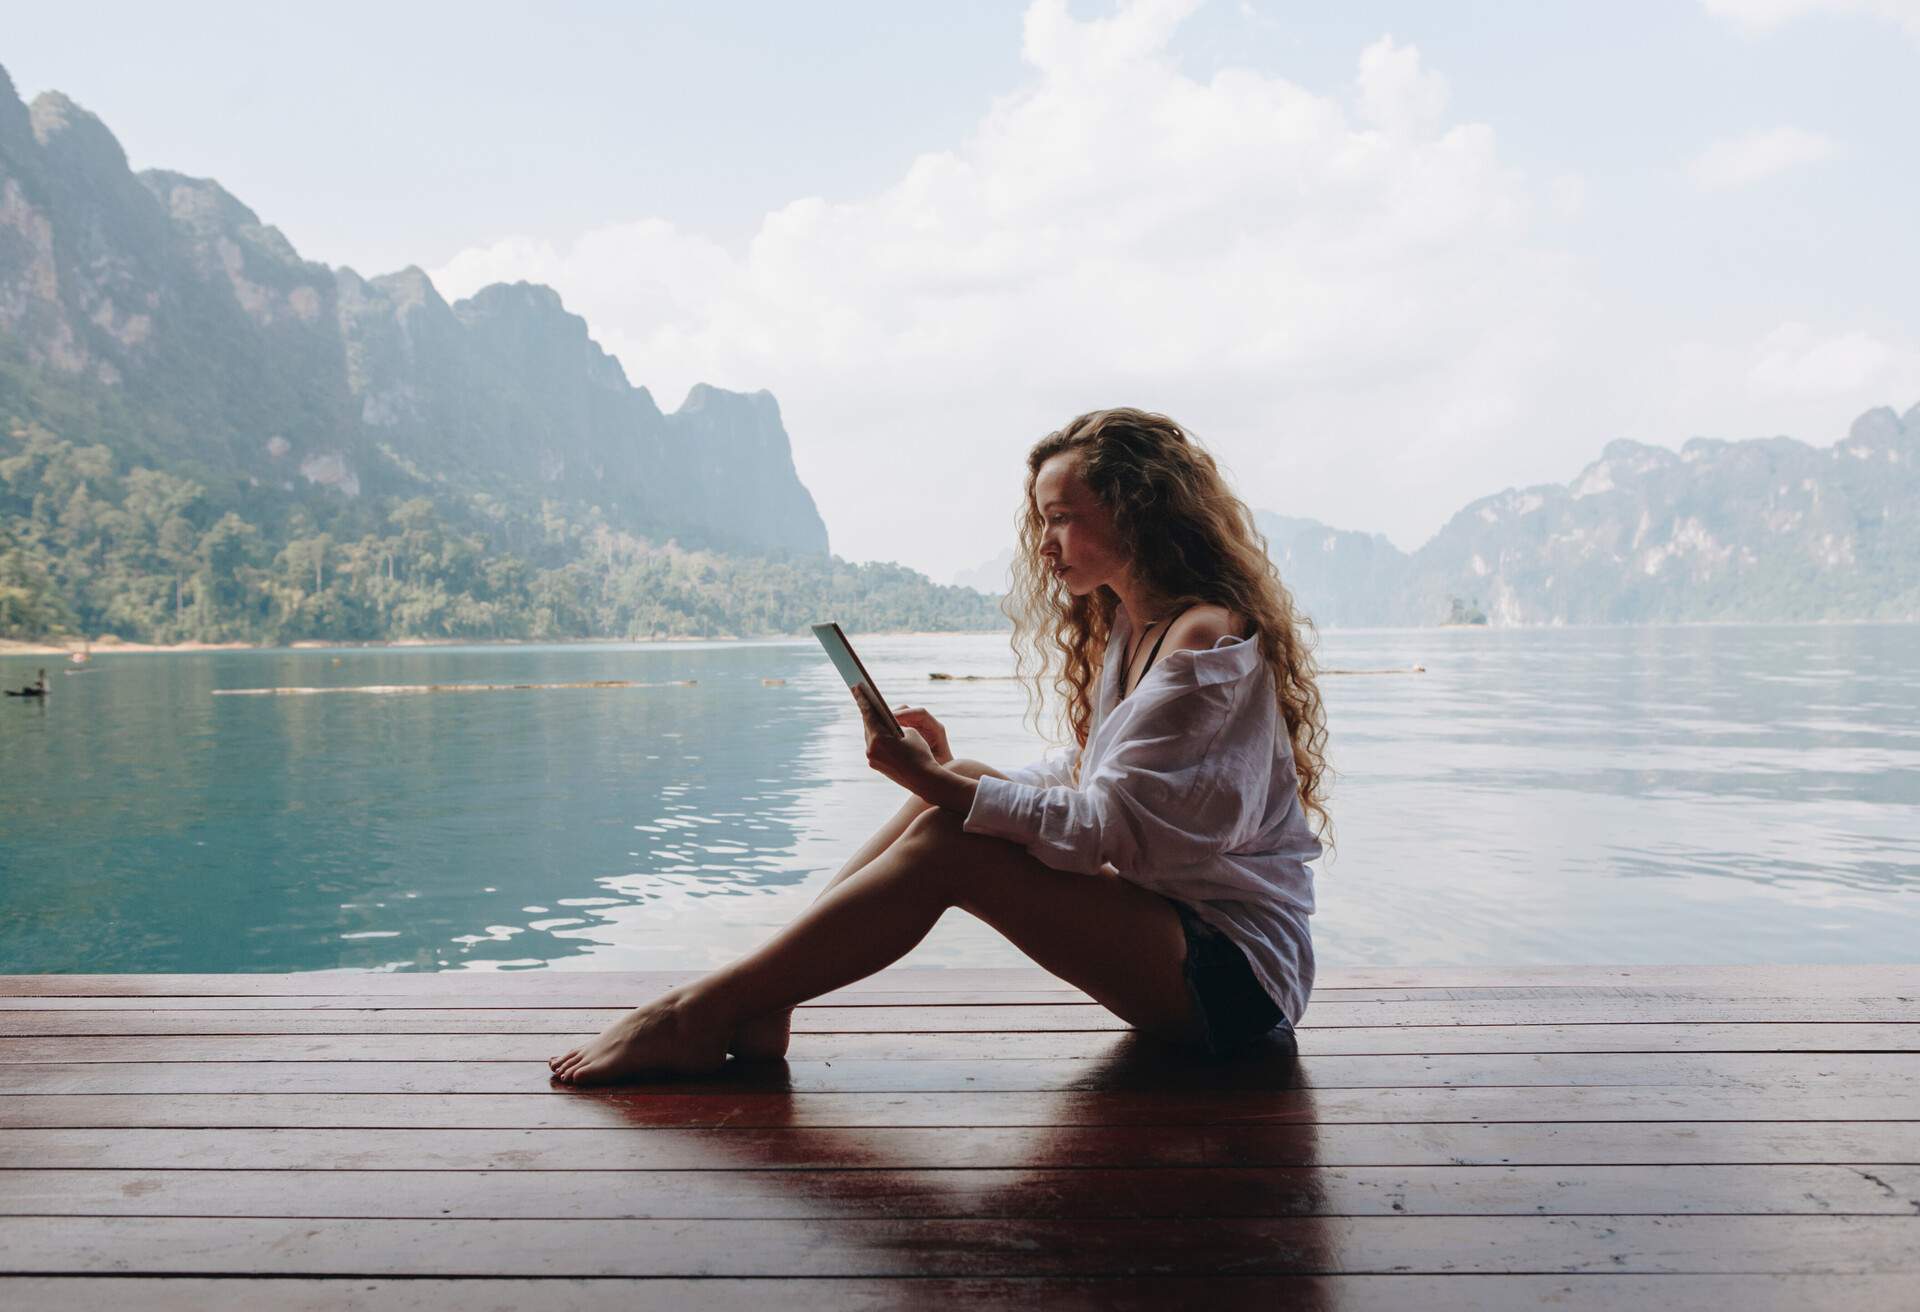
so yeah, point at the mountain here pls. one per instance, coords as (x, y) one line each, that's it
(1342, 579)
(205, 436)
(1764, 529)
(992, 577)
(203, 433)
(156, 313)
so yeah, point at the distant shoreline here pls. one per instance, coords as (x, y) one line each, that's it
(8, 647)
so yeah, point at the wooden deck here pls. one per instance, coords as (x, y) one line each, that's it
(1662, 1137)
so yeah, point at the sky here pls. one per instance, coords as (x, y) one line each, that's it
(1380, 258)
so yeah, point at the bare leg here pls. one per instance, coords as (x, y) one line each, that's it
(1118, 942)
(765, 1038)
(884, 836)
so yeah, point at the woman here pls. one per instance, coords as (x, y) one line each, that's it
(1160, 863)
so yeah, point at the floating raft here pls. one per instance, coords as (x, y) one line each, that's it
(1582, 1137)
(448, 687)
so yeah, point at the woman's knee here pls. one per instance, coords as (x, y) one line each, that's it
(912, 808)
(938, 837)
(936, 824)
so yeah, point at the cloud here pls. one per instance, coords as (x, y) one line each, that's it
(1741, 161)
(1567, 193)
(1341, 293)
(1396, 92)
(1766, 15)
(1792, 361)
(1796, 378)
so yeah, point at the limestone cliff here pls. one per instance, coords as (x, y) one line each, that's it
(157, 313)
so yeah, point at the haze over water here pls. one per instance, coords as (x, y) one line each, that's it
(1684, 794)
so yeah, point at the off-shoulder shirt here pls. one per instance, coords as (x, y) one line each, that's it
(1187, 788)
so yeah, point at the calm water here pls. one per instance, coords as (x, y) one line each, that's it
(1714, 794)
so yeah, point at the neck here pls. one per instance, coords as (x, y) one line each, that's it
(1143, 607)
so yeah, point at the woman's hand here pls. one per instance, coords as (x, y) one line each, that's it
(908, 761)
(919, 717)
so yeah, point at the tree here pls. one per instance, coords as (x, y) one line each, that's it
(30, 603)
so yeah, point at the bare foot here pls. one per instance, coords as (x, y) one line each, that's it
(764, 1038)
(666, 1037)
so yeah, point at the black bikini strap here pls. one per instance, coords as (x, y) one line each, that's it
(1153, 655)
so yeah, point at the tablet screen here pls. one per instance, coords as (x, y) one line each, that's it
(847, 661)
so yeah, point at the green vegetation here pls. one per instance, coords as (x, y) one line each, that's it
(90, 546)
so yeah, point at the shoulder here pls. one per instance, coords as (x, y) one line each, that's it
(1200, 627)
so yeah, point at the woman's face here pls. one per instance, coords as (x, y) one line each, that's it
(1077, 538)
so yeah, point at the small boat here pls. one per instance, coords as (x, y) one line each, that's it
(37, 689)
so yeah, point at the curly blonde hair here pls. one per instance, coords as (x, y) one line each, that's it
(1190, 541)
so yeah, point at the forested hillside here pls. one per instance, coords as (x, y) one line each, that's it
(88, 547)
(206, 436)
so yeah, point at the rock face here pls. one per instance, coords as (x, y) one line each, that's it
(1768, 529)
(1342, 579)
(157, 313)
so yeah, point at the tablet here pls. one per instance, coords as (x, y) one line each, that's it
(847, 661)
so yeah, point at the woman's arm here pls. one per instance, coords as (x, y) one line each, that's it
(953, 792)
(1168, 796)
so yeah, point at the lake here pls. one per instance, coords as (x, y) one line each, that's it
(1711, 794)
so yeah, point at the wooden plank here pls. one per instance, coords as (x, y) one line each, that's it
(984, 1046)
(562, 1108)
(1105, 1192)
(1799, 1245)
(1773, 980)
(1136, 1293)
(1812, 1008)
(1013, 1018)
(1143, 1069)
(1898, 977)
(614, 986)
(546, 1000)
(1624, 1143)
(551, 996)
(580, 1022)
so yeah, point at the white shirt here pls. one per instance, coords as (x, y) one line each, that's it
(1187, 789)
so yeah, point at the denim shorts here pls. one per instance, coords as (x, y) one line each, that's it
(1233, 1007)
